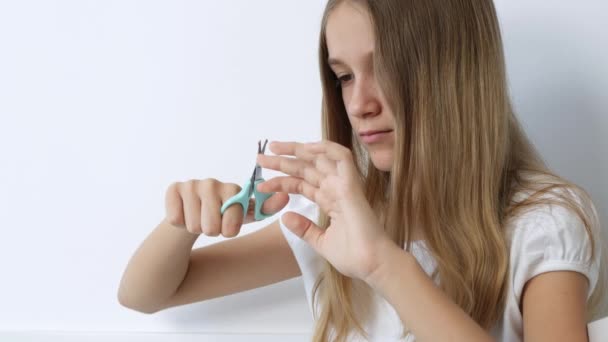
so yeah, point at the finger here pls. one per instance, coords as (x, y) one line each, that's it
(331, 150)
(275, 203)
(290, 185)
(293, 167)
(174, 206)
(192, 207)
(342, 155)
(334, 150)
(209, 218)
(325, 166)
(232, 218)
(271, 205)
(292, 148)
(305, 229)
(302, 151)
(311, 151)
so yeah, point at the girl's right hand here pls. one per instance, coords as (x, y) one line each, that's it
(195, 205)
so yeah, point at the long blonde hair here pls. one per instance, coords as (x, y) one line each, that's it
(460, 155)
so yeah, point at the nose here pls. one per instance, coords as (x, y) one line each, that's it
(363, 101)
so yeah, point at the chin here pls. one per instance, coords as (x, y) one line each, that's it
(382, 164)
(385, 168)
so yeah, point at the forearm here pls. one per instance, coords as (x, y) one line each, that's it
(157, 268)
(422, 307)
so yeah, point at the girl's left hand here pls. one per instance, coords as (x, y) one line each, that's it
(325, 173)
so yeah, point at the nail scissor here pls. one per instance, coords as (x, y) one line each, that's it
(250, 188)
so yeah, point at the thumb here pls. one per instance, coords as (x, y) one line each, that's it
(271, 206)
(304, 228)
(275, 203)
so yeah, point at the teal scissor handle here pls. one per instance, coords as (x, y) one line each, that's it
(243, 196)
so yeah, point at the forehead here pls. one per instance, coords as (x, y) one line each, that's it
(349, 31)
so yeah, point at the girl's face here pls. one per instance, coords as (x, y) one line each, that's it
(350, 42)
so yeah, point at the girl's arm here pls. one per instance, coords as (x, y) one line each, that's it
(553, 305)
(423, 308)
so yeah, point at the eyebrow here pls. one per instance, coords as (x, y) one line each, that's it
(336, 61)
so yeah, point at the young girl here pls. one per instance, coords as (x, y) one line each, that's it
(424, 212)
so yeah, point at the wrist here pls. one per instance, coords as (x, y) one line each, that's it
(389, 256)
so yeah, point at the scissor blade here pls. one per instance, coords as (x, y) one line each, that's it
(260, 148)
(258, 172)
(258, 169)
(252, 180)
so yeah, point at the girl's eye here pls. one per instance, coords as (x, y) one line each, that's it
(342, 79)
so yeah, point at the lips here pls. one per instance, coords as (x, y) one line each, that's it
(374, 137)
(364, 133)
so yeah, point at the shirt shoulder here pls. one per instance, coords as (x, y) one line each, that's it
(552, 237)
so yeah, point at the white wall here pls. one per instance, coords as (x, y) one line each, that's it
(103, 104)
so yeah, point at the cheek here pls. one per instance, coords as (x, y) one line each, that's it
(346, 98)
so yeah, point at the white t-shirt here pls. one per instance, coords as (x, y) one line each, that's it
(549, 238)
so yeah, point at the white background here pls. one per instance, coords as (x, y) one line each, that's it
(103, 104)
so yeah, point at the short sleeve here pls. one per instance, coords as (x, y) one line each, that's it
(551, 239)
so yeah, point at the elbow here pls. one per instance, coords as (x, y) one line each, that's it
(135, 305)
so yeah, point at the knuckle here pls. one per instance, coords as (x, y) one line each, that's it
(308, 171)
(232, 221)
(206, 230)
(188, 187)
(173, 205)
(172, 219)
(172, 193)
(204, 225)
(207, 184)
(232, 188)
(211, 229)
(230, 230)
(346, 153)
(173, 187)
(209, 190)
(194, 227)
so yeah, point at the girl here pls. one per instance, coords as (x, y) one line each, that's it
(513, 248)
(424, 212)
